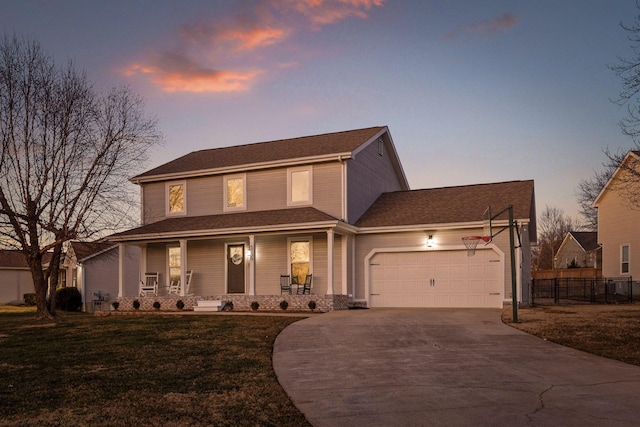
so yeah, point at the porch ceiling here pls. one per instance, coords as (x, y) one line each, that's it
(232, 223)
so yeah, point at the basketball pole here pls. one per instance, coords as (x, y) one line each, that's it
(514, 286)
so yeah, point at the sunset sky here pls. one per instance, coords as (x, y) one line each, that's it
(472, 91)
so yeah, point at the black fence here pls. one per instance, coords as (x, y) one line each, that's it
(584, 290)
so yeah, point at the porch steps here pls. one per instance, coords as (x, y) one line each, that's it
(211, 305)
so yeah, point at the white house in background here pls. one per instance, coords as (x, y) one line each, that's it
(335, 206)
(15, 276)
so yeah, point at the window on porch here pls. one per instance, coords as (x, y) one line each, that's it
(175, 263)
(300, 252)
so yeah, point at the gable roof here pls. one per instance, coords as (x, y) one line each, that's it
(633, 157)
(588, 240)
(449, 205)
(337, 144)
(228, 223)
(87, 250)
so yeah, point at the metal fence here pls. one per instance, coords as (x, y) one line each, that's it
(600, 290)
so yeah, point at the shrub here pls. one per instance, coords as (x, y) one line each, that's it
(115, 305)
(284, 304)
(312, 305)
(136, 304)
(255, 305)
(180, 304)
(68, 299)
(228, 306)
(29, 299)
(156, 305)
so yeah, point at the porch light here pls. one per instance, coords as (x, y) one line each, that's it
(248, 254)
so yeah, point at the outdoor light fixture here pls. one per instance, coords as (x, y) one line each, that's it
(430, 242)
(249, 253)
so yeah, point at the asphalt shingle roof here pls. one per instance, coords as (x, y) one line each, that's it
(449, 204)
(230, 221)
(241, 155)
(85, 250)
(587, 239)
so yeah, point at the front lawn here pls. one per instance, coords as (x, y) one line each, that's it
(155, 370)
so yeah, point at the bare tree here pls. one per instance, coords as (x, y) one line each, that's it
(587, 192)
(553, 226)
(66, 154)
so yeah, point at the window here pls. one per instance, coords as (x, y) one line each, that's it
(299, 186)
(176, 198)
(175, 263)
(235, 192)
(300, 257)
(624, 259)
(380, 147)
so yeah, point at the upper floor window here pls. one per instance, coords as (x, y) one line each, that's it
(624, 259)
(235, 192)
(176, 198)
(300, 186)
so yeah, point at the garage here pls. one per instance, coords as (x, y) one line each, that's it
(447, 278)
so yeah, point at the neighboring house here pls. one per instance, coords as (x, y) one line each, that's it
(579, 249)
(337, 206)
(618, 219)
(15, 276)
(93, 267)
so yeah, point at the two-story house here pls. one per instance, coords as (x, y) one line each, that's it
(335, 206)
(618, 219)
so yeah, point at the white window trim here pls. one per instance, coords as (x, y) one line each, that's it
(628, 262)
(225, 180)
(184, 196)
(300, 239)
(168, 266)
(290, 171)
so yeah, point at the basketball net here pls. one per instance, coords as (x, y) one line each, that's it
(471, 242)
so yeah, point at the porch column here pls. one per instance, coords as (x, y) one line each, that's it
(183, 267)
(345, 256)
(120, 271)
(330, 235)
(252, 264)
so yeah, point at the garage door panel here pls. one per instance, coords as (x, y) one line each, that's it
(436, 279)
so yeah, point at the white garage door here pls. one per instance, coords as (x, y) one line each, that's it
(436, 279)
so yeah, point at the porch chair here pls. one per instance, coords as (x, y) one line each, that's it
(306, 287)
(285, 284)
(149, 286)
(175, 287)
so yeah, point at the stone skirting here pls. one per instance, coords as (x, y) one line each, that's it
(323, 303)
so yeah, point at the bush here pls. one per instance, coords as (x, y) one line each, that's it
(228, 306)
(284, 304)
(180, 304)
(29, 299)
(68, 299)
(255, 305)
(156, 305)
(136, 304)
(312, 305)
(115, 305)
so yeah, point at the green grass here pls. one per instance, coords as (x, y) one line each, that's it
(153, 370)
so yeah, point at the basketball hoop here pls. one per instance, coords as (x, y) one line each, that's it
(471, 242)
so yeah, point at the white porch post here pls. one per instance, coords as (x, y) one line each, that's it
(120, 271)
(330, 238)
(252, 265)
(183, 267)
(345, 256)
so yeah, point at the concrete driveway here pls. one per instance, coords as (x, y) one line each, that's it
(446, 367)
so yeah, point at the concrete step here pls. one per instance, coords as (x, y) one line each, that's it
(210, 305)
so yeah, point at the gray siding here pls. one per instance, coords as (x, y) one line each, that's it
(369, 175)
(154, 202)
(14, 283)
(101, 274)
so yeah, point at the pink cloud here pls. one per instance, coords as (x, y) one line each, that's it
(176, 73)
(325, 12)
(486, 27)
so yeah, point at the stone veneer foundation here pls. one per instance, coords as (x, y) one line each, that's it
(324, 303)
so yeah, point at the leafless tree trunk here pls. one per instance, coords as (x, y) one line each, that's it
(67, 152)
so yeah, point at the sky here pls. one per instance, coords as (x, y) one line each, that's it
(472, 91)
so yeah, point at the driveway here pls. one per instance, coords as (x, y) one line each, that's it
(446, 367)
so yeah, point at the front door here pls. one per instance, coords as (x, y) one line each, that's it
(235, 269)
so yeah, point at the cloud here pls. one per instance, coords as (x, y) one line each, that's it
(228, 54)
(487, 27)
(176, 73)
